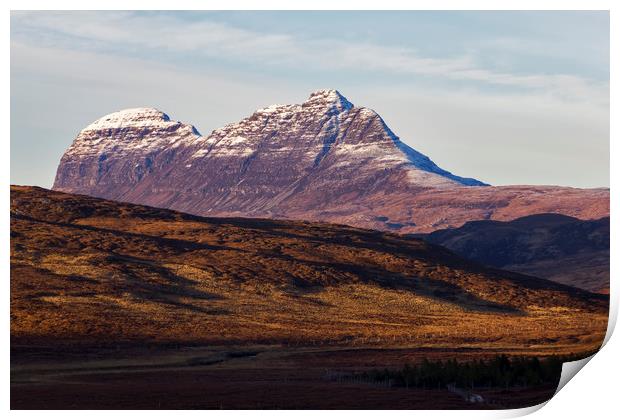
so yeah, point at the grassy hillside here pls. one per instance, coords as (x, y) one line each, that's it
(89, 271)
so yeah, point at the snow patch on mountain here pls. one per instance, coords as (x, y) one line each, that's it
(330, 98)
(134, 130)
(133, 117)
(424, 163)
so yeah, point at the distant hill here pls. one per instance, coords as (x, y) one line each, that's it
(87, 270)
(560, 248)
(323, 160)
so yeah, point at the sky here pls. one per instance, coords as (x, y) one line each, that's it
(509, 98)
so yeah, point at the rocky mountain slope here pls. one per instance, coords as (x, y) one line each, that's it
(86, 270)
(552, 246)
(323, 160)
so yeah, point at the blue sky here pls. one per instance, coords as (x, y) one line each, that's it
(505, 97)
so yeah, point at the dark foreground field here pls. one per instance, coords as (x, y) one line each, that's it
(262, 377)
(115, 305)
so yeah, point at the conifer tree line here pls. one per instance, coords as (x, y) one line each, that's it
(501, 371)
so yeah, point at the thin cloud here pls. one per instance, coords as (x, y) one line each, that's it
(123, 30)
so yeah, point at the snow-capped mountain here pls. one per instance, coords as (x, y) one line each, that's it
(324, 159)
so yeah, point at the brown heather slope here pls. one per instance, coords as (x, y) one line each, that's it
(86, 270)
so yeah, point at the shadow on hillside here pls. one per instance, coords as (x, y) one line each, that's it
(142, 280)
(439, 290)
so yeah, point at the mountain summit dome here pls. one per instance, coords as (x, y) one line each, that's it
(133, 117)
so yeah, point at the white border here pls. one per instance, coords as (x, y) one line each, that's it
(310, 5)
(592, 394)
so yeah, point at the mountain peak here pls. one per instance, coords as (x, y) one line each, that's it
(130, 131)
(329, 97)
(134, 117)
(321, 160)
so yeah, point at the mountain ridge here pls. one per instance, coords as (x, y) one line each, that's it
(324, 160)
(557, 247)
